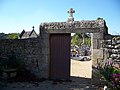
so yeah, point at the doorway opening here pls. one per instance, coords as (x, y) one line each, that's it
(81, 63)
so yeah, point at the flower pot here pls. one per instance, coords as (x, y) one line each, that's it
(9, 73)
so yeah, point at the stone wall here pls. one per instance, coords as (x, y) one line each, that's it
(112, 50)
(35, 52)
(27, 50)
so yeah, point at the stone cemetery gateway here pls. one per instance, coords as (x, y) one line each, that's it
(48, 56)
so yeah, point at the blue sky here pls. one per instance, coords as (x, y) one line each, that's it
(16, 15)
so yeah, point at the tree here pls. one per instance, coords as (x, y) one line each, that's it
(12, 36)
(2, 35)
(77, 39)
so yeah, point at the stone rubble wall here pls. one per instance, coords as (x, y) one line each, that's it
(112, 50)
(27, 50)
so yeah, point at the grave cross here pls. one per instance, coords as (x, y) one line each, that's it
(71, 11)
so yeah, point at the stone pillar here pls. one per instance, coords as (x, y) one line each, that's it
(97, 51)
(44, 54)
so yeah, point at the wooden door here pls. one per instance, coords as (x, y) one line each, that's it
(60, 56)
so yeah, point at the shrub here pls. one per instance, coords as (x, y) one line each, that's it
(111, 74)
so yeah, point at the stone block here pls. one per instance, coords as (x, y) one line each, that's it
(98, 53)
(13, 74)
(5, 75)
(44, 43)
(45, 50)
(98, 35)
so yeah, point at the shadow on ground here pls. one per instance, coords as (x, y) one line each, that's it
(76, 83)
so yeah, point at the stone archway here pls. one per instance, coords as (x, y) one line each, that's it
(97, 27)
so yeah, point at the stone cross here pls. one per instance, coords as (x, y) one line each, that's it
(71, 11)
(71, 18)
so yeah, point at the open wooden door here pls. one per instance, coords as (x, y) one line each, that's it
(60, 56)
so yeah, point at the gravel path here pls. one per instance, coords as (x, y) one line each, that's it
(81, 68)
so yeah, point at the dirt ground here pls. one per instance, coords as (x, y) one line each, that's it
(81, 68)
(80, 80)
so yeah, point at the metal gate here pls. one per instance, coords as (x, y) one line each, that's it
(60, 56)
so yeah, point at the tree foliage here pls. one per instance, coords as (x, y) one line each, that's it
(9, 36)
(78, 40)
(12, 36)
(2, 35)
